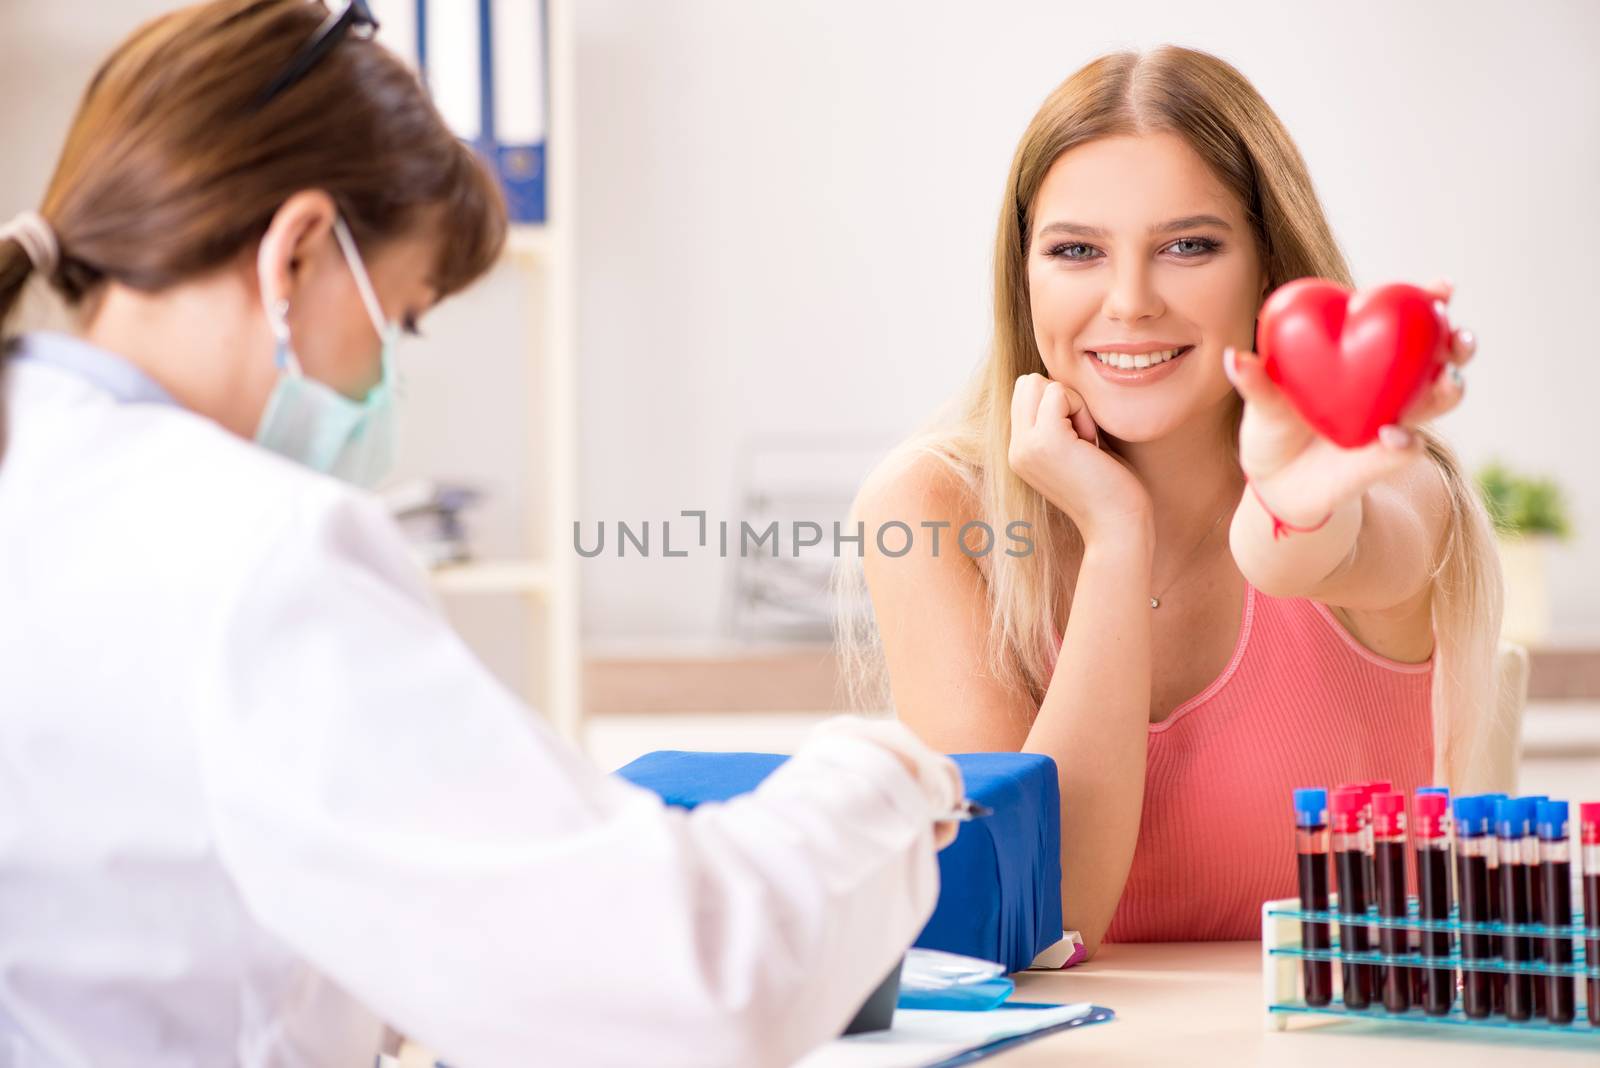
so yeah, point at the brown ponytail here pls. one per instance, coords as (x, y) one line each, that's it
(15, 267)
(169, 170)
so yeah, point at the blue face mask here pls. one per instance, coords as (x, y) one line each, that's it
(318, 426)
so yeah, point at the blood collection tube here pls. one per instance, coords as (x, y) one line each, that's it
(1512, 819)
(1311, 844)
(1389, 864)
(1495, 911)
(1350, 857)
(1444, 820)
(1534, 872)
(1433, 898)
(1370, 789)
(1555, 859)
(1589, 815)
(1472, 883)
(1497, 980)
(1419, 977)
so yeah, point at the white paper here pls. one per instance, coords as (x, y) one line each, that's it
(517, 27)
(927, 1036)
(454, 72)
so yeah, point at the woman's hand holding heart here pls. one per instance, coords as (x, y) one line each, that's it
(1299, 474)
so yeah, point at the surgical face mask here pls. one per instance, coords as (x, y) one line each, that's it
(315, 424)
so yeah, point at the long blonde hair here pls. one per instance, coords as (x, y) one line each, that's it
(1220, 115)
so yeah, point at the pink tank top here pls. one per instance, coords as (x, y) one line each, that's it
(1301, 703)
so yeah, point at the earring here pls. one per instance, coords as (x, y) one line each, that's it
(278, 320)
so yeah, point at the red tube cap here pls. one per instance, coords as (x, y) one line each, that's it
(1430, 810)
(1389, 813)
(1589, 819)
(1345, 808)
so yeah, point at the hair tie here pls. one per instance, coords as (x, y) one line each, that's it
(30, 230)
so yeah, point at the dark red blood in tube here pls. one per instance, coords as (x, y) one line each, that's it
(1513, 821)
(1350, 858)
(1311, 847)
(1555, 859)
(1433, 899)
(1389, 836)
(1472, 882)
(1589, 814)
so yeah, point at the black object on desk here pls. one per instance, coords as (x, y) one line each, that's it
(877, 1014)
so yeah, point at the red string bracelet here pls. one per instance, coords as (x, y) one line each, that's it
(1279, 527)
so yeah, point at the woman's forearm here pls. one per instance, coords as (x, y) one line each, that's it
(1295, 562)
(1094, 723)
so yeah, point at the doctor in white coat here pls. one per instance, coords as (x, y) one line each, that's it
(256, 798)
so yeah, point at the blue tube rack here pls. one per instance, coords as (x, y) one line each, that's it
(1282, 956)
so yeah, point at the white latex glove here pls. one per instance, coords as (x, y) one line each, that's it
(936, 774)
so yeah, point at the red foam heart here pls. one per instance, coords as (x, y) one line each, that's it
(1352, 363)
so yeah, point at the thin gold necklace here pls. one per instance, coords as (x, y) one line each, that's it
(1155, 599)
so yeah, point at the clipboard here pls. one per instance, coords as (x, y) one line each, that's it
(930, 1038)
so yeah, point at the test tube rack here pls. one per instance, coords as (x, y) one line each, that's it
(1283, 955)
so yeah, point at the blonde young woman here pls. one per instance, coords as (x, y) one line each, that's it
(1185, 667)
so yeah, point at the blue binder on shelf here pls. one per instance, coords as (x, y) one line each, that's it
(486, 64)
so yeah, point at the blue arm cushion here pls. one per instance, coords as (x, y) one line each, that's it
(999, 882)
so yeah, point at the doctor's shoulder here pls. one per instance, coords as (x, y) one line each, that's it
(235, 507)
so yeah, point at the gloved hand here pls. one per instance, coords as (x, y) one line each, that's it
(935, 773)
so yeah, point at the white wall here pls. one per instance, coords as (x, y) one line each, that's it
(786, 212)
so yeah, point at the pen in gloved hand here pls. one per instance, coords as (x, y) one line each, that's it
(969, 809)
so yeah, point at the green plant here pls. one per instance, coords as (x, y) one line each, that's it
(1523, 504)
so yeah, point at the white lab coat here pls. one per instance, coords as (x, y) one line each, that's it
(256, 796)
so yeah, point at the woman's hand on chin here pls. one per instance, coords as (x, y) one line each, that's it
(1055, 448)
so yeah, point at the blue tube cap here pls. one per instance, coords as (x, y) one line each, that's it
(1471, 814)
(1310, 806)
(1552, 820)
(1445, 790)
(1513, 817)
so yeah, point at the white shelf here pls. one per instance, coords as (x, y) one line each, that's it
(528, 577)
(541, 258)
(530, 243)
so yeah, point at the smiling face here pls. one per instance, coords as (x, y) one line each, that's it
(1136, 250)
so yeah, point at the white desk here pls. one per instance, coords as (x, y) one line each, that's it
(1201, 1003)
